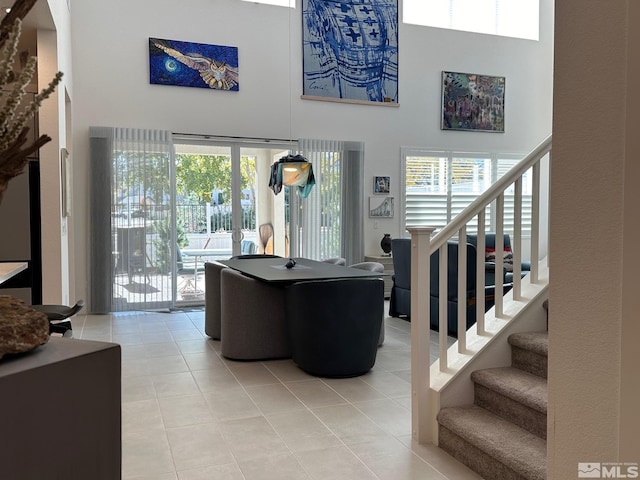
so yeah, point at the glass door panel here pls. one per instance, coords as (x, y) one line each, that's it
(204, 214)
(222, 201)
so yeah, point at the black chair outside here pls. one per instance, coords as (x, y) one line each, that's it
(334, 325)
(59, 315)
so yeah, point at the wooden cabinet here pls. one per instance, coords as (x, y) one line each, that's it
(388, 269)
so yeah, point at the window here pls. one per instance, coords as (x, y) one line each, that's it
(440, 185)
(508, 18)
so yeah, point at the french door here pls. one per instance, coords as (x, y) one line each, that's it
(163, 204)
(223, 204)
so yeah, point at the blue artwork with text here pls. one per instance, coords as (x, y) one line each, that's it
(351, 49)
(189, 64)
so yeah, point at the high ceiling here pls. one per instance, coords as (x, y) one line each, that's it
(38, 17)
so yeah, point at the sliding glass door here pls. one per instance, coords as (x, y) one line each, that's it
(224, 206)
(164, 204)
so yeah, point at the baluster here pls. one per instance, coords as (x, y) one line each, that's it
(480, 274)
(499, 283)
(462, 289)
(442, 304)
(535, 222)
(516, 246)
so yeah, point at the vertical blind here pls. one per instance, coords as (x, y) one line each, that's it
(132, 228)
(330, 221)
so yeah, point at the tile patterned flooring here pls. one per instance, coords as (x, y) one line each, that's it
(190, 414)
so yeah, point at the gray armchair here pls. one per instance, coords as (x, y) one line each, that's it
(252, 317)
(212, 303)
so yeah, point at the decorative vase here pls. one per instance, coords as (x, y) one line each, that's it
(385, 244)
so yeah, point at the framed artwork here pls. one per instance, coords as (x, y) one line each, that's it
(381, 184)
(188, 64)
(381, 207)
(472, 102)
(350, 51)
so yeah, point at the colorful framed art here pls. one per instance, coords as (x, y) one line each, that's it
(472, 102)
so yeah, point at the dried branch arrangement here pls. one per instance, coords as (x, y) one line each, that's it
(14, 147)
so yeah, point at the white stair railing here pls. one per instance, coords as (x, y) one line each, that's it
(424, 404)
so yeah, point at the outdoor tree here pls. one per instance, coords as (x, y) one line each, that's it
(200, 175)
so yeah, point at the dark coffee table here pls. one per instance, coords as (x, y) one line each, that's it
(271, 269)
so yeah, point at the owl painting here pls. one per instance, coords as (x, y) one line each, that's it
(189, 64)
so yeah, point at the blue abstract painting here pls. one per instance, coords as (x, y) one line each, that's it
(350, 49)
(188, 64)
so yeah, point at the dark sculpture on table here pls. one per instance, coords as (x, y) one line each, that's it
(385, 244)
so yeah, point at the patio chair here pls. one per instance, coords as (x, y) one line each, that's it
(247, 247)
(187, 273)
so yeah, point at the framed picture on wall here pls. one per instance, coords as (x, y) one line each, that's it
(190, 64)
(350, 51)
(381, 184)
(472, 102)
(381, 207)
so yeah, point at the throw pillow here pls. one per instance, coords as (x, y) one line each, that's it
(507, 259)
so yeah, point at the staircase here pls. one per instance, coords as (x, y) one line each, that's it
(503, 434)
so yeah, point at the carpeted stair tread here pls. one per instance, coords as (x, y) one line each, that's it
(512, 446)
(537, 342)
(523, 387)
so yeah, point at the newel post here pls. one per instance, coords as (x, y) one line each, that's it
(421, 406)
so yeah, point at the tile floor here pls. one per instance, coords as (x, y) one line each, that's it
(189, 414)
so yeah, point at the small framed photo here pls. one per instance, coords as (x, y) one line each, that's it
(381, 184)
(381, 207)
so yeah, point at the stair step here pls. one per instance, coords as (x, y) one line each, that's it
(537, 342)
(529, 352)
(490, 445)
(514, 395)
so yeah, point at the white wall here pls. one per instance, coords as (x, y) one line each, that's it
(110, 55)
(594, 390)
